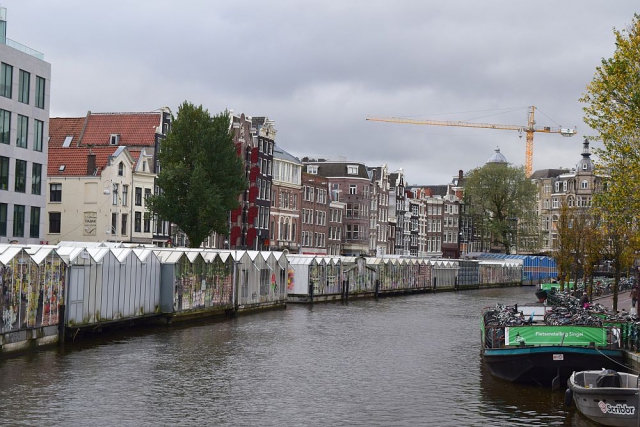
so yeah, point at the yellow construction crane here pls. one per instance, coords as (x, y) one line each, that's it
(529, 129)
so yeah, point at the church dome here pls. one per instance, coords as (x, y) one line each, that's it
(497, 157)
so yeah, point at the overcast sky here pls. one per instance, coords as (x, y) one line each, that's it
(319, 68)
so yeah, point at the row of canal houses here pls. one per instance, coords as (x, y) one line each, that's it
(50, 293)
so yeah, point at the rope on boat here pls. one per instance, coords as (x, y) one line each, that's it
(618, 363)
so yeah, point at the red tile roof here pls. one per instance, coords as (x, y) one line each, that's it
(60, 128)
(135, 129)
(74, 160)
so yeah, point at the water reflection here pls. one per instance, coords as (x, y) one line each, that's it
(394, 362)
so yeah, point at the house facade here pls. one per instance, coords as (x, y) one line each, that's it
(106, 163)
(286, 194)
(576, 187)
(315, 214)
(350, 184)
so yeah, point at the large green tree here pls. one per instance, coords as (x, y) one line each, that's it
(612, 110)
(501, 200)
(200, 175)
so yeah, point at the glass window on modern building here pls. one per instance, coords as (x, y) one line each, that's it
(4, 173)
(23, 88)
(5, 127)
(40, 82)
(18, 220)
(23, 131)
(38, 134)
(3, 219)
(34, 221)
(21, 176)
(36, 178)
(6, 80)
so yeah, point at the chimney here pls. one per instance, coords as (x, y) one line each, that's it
(91, 164)
(460, 176)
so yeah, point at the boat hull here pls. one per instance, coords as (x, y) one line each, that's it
(609, 406)
(541, 365)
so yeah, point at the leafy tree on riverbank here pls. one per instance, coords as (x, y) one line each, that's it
(613, 111)
(502, 201)
(200, 175)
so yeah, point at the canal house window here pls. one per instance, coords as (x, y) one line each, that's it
(55, 192)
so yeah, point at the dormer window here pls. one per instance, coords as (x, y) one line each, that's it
(120, 169)
(114, 139)
(312, 169)
(584, 166)
(352, 169)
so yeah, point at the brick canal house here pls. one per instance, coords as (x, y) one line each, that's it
(254, 138)
(379, 224)
(315, 214)
(350, 183)
(399, 241)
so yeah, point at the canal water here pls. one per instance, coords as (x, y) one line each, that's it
(405, 361)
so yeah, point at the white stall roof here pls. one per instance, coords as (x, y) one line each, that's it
(40, 253)
(121, 254)
(374, 261)
(168, 256)
(193, 255)
(142, 253)
(253, 255)
(97, 254)
(8, 254)
(224, 255)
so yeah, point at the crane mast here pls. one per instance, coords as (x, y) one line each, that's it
(528, 129)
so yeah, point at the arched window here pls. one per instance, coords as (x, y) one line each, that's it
(584, 184)
(120, 169)
(570, 201)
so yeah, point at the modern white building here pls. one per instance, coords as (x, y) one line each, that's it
(25, 80)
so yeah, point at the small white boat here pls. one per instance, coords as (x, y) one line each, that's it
(605, 396)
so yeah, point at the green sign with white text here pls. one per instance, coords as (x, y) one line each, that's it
(555, 335)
